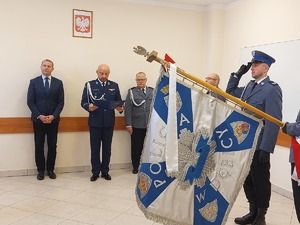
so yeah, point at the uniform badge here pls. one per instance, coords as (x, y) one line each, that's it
(273, 83)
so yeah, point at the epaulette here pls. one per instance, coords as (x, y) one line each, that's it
(273, 83)
(132, 88)
(150, 87)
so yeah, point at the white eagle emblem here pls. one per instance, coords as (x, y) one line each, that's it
(82, 24)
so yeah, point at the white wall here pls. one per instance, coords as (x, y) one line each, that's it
(215, 40)
(37, 29)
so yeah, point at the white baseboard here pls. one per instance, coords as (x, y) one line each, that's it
(282, 191)
(70, 169)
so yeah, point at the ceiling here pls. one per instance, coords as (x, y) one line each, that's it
(189, 3)
(199, 2)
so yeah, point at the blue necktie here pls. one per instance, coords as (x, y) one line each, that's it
(254, 85)
(47, 87)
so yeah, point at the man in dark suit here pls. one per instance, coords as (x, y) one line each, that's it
(265, 95)
(45, 99)
(214, 80)
(101, 119)
(137, 110)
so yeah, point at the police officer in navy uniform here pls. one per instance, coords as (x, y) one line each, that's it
(137, 109)
(266, 96)
(293, 129)
(101, 120)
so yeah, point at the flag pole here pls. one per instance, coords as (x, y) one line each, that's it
(153, 57)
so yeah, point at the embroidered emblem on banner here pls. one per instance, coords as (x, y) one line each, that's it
(178, 101)
(241, 130)
(210, 211)
(165, 89)
(192, 154)
(145, 183)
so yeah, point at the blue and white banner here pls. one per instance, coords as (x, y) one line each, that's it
(215, 145)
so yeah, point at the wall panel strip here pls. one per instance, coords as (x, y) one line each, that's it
(67, 124)
(78, 124)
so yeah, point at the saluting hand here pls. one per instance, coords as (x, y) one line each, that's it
(242, 70)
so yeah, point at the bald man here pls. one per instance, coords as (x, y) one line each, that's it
(214, 80)
(101, 120)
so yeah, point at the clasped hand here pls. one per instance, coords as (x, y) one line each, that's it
(46, 119)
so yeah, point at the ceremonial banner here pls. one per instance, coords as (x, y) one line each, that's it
(296, 151)
(216, 144)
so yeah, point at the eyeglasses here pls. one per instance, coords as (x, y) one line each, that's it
(210, 78)
(140, 79)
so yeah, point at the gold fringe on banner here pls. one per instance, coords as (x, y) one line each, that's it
(153, 57)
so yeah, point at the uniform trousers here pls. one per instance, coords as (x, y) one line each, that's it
(296, 193)
(137, 143)
(98, 136)
(257, 185)
(40, 131)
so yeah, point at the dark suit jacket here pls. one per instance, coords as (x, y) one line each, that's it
(222, 98)
(101, 117)
(267, 97)
(41, 103)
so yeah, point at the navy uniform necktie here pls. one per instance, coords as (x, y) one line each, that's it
(47, 86)
(254, 85)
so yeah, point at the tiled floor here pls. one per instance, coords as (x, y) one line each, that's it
(72, 199)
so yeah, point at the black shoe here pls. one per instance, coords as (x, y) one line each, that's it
(106, 176)
(260, 218)
(94, 177)
(40, 176)
(134, 171)
(247, 219)
(51, 175)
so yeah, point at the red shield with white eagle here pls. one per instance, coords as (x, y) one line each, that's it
(83, 24)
